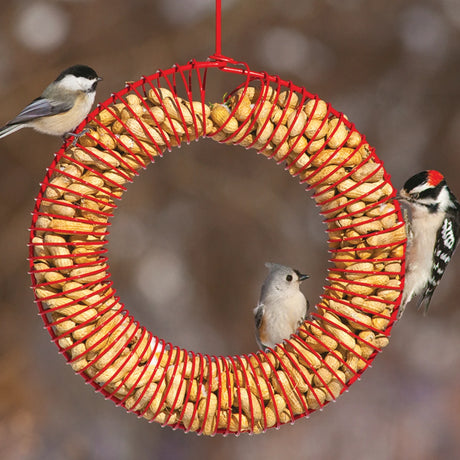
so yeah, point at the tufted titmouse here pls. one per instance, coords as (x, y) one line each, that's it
(62, 106)
(282, 307)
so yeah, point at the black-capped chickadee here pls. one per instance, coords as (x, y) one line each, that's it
(282, 307)
(63, 105)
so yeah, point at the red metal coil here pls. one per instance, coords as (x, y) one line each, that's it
(179, 388)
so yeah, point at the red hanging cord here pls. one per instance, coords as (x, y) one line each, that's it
(218, 28)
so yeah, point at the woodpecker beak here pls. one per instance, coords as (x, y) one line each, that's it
(402, 195)
(301, 276)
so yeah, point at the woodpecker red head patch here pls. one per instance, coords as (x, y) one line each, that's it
(434, 177)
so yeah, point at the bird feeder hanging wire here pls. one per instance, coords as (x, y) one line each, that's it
(218, 28)
(180, 388)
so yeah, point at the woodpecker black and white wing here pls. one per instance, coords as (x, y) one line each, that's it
(446, 243)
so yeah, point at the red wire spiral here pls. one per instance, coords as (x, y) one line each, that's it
(180, 388)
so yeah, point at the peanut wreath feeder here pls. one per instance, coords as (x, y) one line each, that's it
(173, 386)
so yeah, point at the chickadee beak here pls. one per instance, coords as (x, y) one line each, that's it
(301, 276)
(99, 79)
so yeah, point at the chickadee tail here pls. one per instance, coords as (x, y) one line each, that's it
(9, 129)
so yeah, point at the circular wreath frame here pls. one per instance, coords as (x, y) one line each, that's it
(173, 386)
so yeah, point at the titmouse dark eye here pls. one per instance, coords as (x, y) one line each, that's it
(289, 278)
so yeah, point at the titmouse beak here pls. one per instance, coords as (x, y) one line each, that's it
(301, 276)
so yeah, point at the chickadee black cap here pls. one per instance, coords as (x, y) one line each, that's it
(79, 70)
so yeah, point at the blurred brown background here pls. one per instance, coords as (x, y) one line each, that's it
(190, 239)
